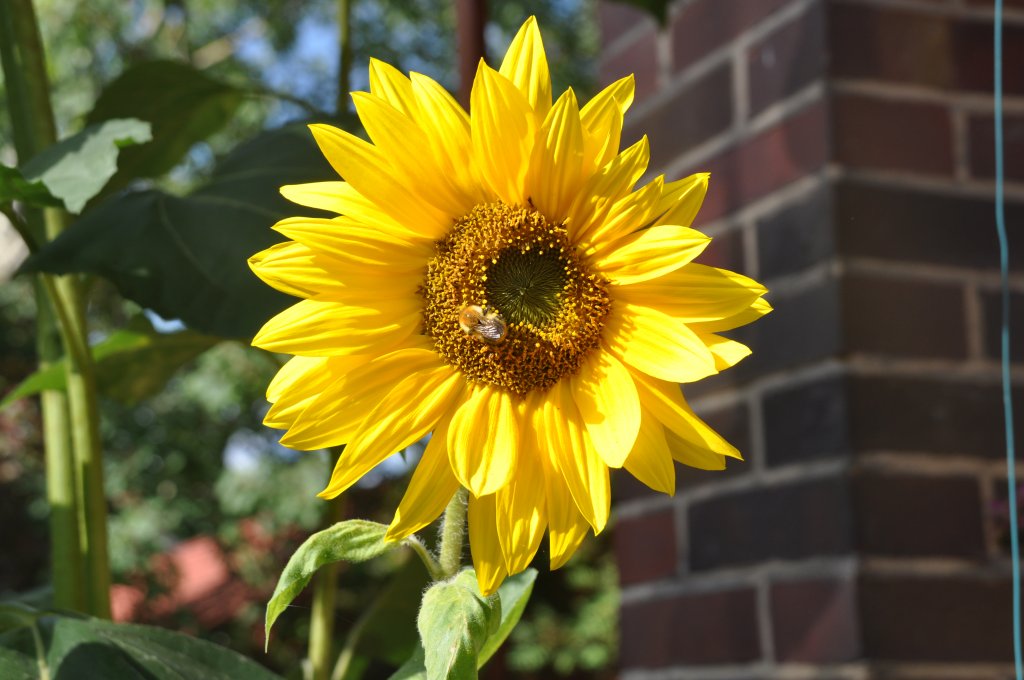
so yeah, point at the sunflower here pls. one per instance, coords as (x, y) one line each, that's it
(495, 280)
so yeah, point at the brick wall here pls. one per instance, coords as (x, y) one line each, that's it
(850, 145)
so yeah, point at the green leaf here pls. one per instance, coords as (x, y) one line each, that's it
(513, 594)
(657, 8)
(184, 106)
(355, 540)
(130, 364)
(186, 257)
(14, 187)
(413, 668)
(78, 167)
(454, 623)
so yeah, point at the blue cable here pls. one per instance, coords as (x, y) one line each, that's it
(1004, 270)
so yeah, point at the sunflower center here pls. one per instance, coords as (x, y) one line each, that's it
(540, 307)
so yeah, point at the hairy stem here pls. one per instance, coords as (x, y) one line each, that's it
(321, 618)
(453, 532)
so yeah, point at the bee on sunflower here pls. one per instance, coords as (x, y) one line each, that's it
(495, 279)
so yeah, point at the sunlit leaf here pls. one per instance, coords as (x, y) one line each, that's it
(513, 594)
(186, 257)
(183, 104)
(454, 623)
(78, 167)
(354, 540)
(130, 364)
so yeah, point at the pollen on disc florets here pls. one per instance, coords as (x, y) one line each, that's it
(512, 260)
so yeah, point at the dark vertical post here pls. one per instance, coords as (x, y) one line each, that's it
(470, 18)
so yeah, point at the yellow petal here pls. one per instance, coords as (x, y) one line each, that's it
(291, 268)
(448, 127)
(695, 293)
(608, 404)
(503, 130)
(727, 352)
(526, 66)
(391, 85)
(609, 184)
(521, 503)
(299, 382)
(409, 411)
(755, 311)
(483, 440)
(680, 200)
(483, 542)
(410, 152)
(626, 216)
(666, 403)
(341, 406)
(364, 167)
(323, 328)
(688, 453)
(430, 489)
(650, 461)
(650, 253)
(342, 198)
(348, 242)
(575, 457)
(657, 344)
(554, 177)
(567, 527)
(602, 123)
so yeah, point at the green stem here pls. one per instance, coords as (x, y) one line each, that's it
(34, 129)
(321, 623)
(453, 531)
(345, 59)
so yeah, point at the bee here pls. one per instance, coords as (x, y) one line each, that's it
(484, 322)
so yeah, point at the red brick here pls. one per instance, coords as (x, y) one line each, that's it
(768, 161)
(724, 251)
(814, 621)
(645, 547)
(900, 317)
(796, 237)
(981, 142)
(617, 18)
(787, 522)
(974, 56)
(699, 628)
(639, 58)
(873, 43)
(952, 619)
(698, 112)
(733, 423)
(992, 323)
(908, 225)
(918, 516)
(787, 60)
(892, 135)
(701, 26)
(807, 422)
(928, 414)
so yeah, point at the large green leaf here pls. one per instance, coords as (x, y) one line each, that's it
(455, 621)
(78, 167)
(186, 257)
(513, 594)
(131, 364)
(93, 649)
(355, 540)
(184, 106)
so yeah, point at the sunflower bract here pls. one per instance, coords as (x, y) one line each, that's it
(525, 210)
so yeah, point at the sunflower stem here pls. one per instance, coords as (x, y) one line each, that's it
(321, 618)
(453, 531)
